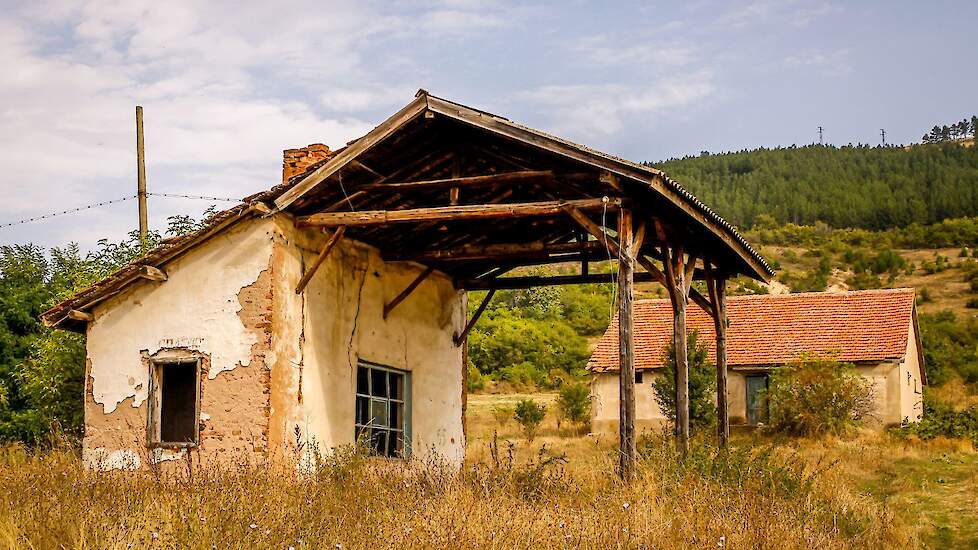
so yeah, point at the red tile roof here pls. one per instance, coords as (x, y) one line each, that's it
(868, 325)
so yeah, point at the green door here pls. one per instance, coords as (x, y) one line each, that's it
(756, 399)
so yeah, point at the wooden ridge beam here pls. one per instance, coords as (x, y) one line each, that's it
(307, 276)
(459, 338)
(452, 213)
(388, 308)
(490, 251)
(464, 181)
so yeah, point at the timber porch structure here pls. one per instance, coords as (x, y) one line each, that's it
(469, 195)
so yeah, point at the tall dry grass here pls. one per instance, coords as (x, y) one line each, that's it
(509, 497)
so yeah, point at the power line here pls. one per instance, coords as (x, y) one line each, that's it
(201, 197)
(108, 202)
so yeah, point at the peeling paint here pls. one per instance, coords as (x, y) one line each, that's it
(202, 287)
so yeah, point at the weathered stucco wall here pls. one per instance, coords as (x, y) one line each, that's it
(604, 404)
(278, 367)
(216, 304)
(911, 381)
(344, 321)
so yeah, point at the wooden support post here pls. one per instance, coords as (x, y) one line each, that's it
(675, 275)
(626, 347)
(319, 259)
(459, 338)
(717, 284)
(388, 308)
(141, 181)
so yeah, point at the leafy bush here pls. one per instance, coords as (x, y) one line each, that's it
(474, 380)
(950, 347)
(816, 396)
(702, 386)
(529, 415)
(943, 420)
(574, 403)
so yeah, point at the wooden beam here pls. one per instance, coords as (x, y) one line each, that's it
(659, 277)
(459, 338)
(307, 276)
(516, 283)
(351, 152)
(262, 208)
(152, 273)
(407, 291)
(717, 284)
(466, 181)
(451, 213)
(675, 272)
(593, 228)
(491, 251)
(626, 348)
(79, 315)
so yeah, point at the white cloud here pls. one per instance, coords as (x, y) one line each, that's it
(636, 52)
(225, 85)
(604, 109)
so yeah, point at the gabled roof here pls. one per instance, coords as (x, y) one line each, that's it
(421, 140)
(425, 103)
(768, 329)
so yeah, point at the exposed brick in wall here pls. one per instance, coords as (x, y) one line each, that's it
(295, 161)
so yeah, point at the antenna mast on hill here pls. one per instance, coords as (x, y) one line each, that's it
(820, 142)
(141, 179)
(883, 135)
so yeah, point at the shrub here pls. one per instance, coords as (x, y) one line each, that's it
(942, 420)
(702, 386)
(529, 415)
(972, 303)
(474, 380)
(574, 403)
(817, 396)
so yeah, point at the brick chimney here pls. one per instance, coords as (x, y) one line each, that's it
(295, 161)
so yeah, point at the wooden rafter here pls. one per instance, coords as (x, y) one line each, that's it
(388, 308)
(78, 315)
(465, 182)
(450, 213)
(495, 251)
(307, 276)
(459, 338)
(531, 281)
(152, 273)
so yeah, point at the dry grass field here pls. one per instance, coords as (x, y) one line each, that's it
(559, 491)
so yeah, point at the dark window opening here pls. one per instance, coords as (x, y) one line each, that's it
(381, 410)
(638, 377)
(178, 402)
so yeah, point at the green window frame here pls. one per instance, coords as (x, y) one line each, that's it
(382, 414)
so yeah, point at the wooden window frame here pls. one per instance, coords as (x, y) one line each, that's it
(407, 399)
(155, 400)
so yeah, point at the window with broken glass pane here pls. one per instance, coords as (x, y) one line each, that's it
(381, 407)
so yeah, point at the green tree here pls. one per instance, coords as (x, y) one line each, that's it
(702, 385)
(816, 396)
(574, 403)
(529, 415)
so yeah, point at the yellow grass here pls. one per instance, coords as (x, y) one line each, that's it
(790, 494)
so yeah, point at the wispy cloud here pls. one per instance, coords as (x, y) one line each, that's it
(604, 109)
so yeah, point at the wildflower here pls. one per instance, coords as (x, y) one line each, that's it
(722, 542)
(155, 535)
(253, 526)
(625, 506)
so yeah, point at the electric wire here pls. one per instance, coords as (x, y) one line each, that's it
(106, 203)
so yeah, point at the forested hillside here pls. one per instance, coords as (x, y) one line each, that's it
(851, 186)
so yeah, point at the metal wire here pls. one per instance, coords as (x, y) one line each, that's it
(108, 202)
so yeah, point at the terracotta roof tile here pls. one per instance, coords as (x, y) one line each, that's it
(869, 325)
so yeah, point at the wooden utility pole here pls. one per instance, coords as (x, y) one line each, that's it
(626, 346)
(141, 180)
(717, 284)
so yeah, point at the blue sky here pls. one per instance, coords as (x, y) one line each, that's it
(226, 86)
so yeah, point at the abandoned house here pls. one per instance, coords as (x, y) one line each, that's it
(875, 330)
(332, 308)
